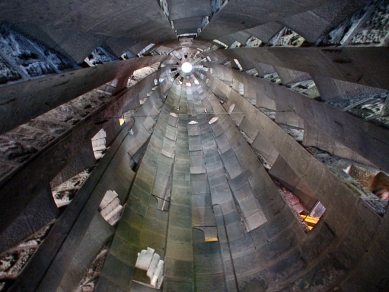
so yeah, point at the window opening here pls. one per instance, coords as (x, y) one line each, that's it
(220, 43)
(313, 217)
(64, 193)
(231, 108)
(187, 35)
(176, 54)
(238, 64)
(13, 261)
(149, 261)
(128, 55)
(252, 72)
(110, 207)
(367, 182)
(235, 44)
(307, 218)
(99, 56)
(108, 88)
(89, 281)
(142, 73)
(145, 49)
(214, 119)
(376, 182)
(209, 232)
(286, 38)
(143, 100)
(186, 67)
(227, 64)
(253, 42)
(241, 88)
(121, 121)
(99, 144)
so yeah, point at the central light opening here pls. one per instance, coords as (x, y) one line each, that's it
(186, 67)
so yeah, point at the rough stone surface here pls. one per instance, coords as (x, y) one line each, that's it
(192, 163)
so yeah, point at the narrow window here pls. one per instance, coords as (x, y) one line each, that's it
(241, 88)
(99, 144)
(238, 64)
(308, 217)
(376, 182)
(110, 207)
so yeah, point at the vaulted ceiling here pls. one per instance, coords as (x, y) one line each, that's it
(284, 115)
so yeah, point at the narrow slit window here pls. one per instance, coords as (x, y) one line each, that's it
(241, 88)
(238, 64)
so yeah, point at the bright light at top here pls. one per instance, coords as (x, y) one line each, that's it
(186, 67)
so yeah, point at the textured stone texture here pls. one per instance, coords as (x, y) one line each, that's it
(351, 131)
(343, 259)
(63, 87)
(57, 156)
(357, 65)
(117, 175)
(201, 196)
(234, 17)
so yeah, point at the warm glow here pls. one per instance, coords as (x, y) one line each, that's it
(211, 239)
(186, 67)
